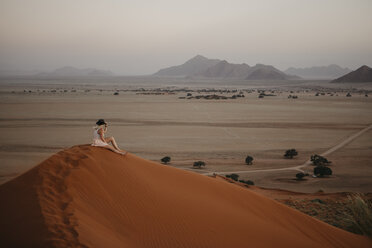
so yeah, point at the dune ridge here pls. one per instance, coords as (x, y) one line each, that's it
(90, 197)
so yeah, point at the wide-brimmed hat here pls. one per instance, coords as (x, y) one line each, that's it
(100, 122)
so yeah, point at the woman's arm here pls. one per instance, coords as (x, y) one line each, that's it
(101, 135)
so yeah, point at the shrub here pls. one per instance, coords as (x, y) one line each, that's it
(233, 176)
(290, 153)
(249, 160)
(322, 171)
(116, 93)
(249, 182)
(199, 164)
(165, 160)
(319, 160)
(361, 215)
(300, 175)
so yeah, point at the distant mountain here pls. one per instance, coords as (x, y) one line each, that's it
(363, 74)
(223, 69)
(319, 72)
(190, 67)
(69, 71)
(243, 71)
(203, 67)
(268, 74)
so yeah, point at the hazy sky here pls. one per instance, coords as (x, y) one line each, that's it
(140, 37)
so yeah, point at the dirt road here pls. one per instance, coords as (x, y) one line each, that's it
(299, 167)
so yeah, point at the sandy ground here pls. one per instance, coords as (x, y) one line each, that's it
(90, 197)
(222, 133)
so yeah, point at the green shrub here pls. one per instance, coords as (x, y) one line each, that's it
(233, 176)
(322, 171)
(300, 175)
(319, 160)
(290, 153)
(165, 160)
(249, 160)
(199, 164)
(249, 182)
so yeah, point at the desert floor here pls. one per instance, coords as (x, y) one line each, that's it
(149, 119)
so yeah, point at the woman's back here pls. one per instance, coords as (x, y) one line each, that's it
(97, 141)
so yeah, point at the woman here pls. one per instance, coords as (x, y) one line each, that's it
(100, 140)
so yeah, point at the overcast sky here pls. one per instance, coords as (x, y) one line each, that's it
(139, 37)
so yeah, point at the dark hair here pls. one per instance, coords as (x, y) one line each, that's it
(100, 122)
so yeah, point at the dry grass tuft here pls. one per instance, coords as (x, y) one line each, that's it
(360, 217)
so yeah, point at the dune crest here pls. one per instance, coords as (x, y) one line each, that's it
(90, 197)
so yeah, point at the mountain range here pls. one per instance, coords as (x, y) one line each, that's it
(319, 72)
(193, 66)
(362, 75)
(69, 71)
(200, 66)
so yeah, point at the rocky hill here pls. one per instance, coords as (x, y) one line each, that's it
(318, 72)
(193, 66)
(362, 74)
(201, 67)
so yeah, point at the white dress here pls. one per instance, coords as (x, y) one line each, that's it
(97, 139)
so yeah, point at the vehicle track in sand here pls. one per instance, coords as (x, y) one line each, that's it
(298, 167)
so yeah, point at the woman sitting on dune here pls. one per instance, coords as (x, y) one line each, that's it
(100, 140)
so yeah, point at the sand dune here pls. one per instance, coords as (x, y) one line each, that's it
(90, 197)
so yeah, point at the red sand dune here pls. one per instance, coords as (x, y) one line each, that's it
(90, 197)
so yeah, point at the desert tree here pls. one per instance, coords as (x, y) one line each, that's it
(321, 171)
(199, 164)
(249, 160)
(319, 160)
(300, 175)
(165, 160)
(290, 153)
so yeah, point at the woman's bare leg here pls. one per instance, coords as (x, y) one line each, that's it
(113, 142)
(115, 150)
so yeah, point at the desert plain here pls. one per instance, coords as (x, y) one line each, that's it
(153, 118)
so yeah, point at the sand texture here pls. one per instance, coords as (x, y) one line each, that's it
(90, 197)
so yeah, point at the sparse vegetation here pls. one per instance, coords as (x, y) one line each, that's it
(249, 182)
(233, 176)
(319, 160)
(293, 96)
(249, 160)
(300, 175)
(360, 217)
(165, 160)
(352, 214)
(290, 153)
(321, 171)
(199, 164)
